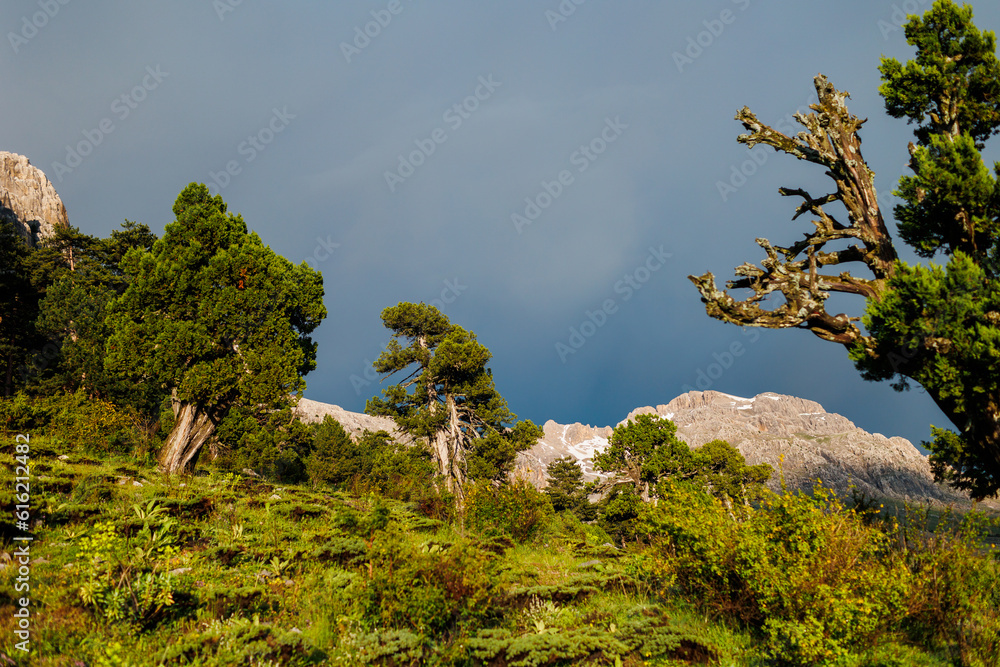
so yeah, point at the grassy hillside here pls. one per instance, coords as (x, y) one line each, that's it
(129, 567)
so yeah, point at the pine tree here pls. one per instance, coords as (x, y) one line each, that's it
(448, 398)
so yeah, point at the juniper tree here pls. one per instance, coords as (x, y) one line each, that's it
(216, 319)
(447, 398)
(938, 326)
(646, 452)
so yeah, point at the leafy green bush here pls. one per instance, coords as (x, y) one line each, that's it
(21, 413)
(807, 571)
(434, 589)
(516, 508)
(954, 602)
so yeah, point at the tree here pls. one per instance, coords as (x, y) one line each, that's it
(647, 452)
(19, 307)
(938, 326)
(566, 489)
(641, 451)
(448, 398)
(216, 319)
(335, 458)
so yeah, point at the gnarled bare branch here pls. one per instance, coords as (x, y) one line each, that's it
(831, 140)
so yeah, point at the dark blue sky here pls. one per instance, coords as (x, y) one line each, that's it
(406, 165)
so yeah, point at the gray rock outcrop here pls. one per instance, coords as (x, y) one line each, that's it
(797, 437)
(28, 199)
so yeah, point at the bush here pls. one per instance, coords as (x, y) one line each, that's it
(955, 599)
(92, 425)
(517, 509)
(272, 444)
(21, 413)
(435, 590)
(805, 570)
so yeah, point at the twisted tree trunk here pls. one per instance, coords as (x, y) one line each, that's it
(194, 426)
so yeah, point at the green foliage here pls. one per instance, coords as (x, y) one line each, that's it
(566, 489)
(126, 588)
(647, 450)
(954, 602)
(516, 508)
(274, 444)
(448, 397)
(938, 326)
(954, 79)
(335, 458)
(213, 315)
(618, 511)
(241, 641)
(375, 462)
(429, 591)
(19, 341)
(806, 570)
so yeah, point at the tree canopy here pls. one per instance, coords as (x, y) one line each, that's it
(936, 325)
(646, 451)
(216, 318)
(447, 397)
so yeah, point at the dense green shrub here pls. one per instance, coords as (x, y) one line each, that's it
(618, 512)
(21, 413)
(240, 641)
(432, 589)
(273, 445)
(516, 508)
(954, 603)
(807, 571)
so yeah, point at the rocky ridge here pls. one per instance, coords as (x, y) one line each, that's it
(795, 436)
(28, 199)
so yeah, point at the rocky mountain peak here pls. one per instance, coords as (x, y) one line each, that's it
(797, 437)
(28, 199)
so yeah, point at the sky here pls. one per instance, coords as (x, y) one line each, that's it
(547, 173)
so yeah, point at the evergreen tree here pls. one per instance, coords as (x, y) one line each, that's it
(19, 341)
(335, 458)
(216, 319)
(647, 452)
(938, 326)
(448, 399)
(566, 488)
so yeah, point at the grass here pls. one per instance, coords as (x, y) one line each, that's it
(217, 569)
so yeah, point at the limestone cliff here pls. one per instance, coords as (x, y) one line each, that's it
(28, 199)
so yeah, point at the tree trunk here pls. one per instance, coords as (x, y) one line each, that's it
(193, 427)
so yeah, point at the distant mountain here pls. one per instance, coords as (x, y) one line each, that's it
(28, 199)
(795, 436)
